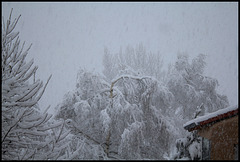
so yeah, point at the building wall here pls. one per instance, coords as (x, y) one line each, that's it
(223, 136)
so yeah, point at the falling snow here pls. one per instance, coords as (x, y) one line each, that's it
(122, 79)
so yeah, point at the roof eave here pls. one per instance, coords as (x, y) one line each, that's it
(194, 126)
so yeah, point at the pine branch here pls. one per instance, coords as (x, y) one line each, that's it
(13, 126)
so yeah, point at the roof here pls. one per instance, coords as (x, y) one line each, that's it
(211, 118)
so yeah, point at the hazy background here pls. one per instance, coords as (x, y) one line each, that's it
(67, 36)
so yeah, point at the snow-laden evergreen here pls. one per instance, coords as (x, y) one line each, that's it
(26, 131)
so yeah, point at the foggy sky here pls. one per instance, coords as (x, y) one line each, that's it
(67, 36)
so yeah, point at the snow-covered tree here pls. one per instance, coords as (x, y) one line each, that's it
(191, 87)
(145, 130)
(112, 117)
(25, 129)
(82, 110)
(190, 146)
(133, 60)
(109, 65)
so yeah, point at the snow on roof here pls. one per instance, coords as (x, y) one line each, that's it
(195, 122)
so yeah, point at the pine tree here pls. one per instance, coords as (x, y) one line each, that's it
(25, 129)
